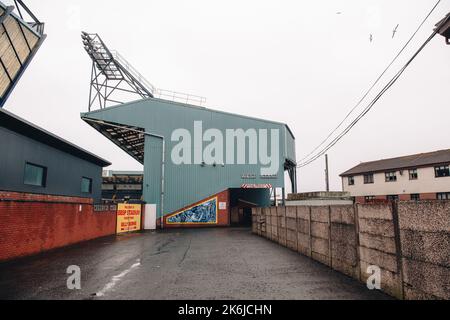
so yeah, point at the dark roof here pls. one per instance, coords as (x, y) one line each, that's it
(415, 160)
(25, 128)
(129, 139)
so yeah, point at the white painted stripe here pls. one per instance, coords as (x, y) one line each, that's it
(116, 279)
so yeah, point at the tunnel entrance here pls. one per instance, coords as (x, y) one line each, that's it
(242, 201)
(241, 216)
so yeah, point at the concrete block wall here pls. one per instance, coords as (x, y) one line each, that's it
(255, 221)
(282, 230)
(344, 240)
(304, 242)
(425, 244)
(320, 235)
(291, 228)
(378, 247)
(409, 241)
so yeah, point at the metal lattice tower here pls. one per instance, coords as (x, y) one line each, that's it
(111, 80)
(115, 81)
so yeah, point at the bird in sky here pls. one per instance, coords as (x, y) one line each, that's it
(394, 31)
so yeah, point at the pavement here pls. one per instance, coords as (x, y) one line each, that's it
(222, 263)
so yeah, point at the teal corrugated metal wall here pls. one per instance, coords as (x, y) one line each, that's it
(290, 146)
(186, 184)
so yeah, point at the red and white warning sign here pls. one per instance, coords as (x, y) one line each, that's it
(256, 186)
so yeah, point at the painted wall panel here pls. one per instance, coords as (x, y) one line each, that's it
(212, 211)
(202, 213)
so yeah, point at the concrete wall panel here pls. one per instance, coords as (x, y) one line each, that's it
(320, 230)
(373, 241)
(415, 266)
(379, 258)
(343, 233)
(384, 228)
(320, 214)
(375, 211)
(426, 246)
(412, 216)
(291, 212)
(427, 277)
(343, 214)
(303, 212)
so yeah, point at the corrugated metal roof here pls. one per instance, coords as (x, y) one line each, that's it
(23, 127)
(192, 107)
(411, 161)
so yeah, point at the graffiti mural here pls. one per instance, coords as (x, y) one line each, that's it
(203, 213)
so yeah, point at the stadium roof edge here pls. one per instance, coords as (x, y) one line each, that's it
(85, 114)
(24, 23)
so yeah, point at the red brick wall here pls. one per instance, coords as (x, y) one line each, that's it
(401, 197)
(362, 200)
(428, 196)
(404, 197)
(31, 223)
(223, 217)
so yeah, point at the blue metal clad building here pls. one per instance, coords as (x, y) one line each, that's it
(63, 166)
(144, 128)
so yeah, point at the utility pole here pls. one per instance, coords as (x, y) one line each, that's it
(327, 178)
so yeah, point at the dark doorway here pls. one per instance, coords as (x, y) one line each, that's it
(241, 217)
(242, 201)
(247, 217)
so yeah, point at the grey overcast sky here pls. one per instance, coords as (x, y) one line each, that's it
(298, 62)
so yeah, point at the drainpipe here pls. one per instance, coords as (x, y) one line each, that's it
(162, 160)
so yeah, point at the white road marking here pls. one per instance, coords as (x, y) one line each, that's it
(116, 279)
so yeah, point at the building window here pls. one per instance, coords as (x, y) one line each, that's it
(369, 198)
(442, 171)
(35, 175)
(391, 176)
(351, 181)
(413, 174)
(392, 197)
(443, 196)
(86, 185)
(368, 178)
(415, 197)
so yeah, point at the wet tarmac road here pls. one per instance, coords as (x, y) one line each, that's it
(183, 264)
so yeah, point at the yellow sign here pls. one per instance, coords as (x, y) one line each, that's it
(128, 217)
